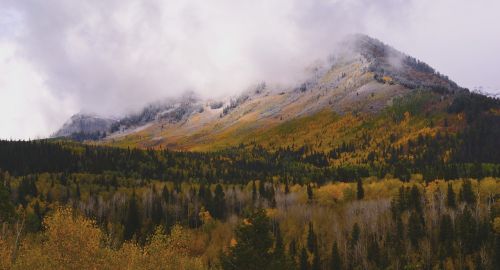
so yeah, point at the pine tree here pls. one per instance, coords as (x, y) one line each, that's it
(292, 248)
(304, 263)
(253, 244)
(280, 259)
(219, 203)
(467, 194)
(415, 228)
(165, 194)
(309, 193)
(262, 189)
(132, 219)
(311, 239)
(356, 231)
(446, 235)
(415, 200)
(336, 261)
(451, 197)
(6, 207)
(254, 193)
(373, 251)
(360, 191)
(316, 263)
(466, 230)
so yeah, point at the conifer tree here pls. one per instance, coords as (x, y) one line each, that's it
(309, 193)
(316, 263)
(311, 239)
(451, 197)
(373, 251)
(253, 244)
(415, 228)
(304, 262)
(219, 203)
(360, 192)
(6, 207)
(445, 236)
(336, 261)
(356, 231)
(132, 219)
(467, 194)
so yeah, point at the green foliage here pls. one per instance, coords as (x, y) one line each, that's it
(253, 244)
(451, 200)
(6, 207)
(336, 260)
(360, 192)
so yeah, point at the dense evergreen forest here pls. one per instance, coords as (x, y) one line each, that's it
(68, 205)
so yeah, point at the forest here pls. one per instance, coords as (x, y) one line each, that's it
(67, 205)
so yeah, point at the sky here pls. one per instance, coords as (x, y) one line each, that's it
(60, 57)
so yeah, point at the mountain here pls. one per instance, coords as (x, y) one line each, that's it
(366, 94)
(84, 127)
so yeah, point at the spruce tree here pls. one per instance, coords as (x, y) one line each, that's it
(415, 228)
(132, 219)
(360, 192)
(316, 263)
(451, 201)
(6, 207)
(445, 236)
(309, 193)
(304, 263)
(311, 239)
(219, 203)
(467, 194)
(356, 231)
(336, 261)
(253, 244)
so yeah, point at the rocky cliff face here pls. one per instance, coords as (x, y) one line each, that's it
(85, 125)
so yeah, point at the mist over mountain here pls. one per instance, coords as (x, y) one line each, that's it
(361, 76)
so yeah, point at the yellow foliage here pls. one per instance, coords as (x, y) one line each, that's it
(496, 225)
(71, 240)
(331, 193)
(5, 253)
(233, 242)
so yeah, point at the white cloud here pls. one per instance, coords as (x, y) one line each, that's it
(28, 108)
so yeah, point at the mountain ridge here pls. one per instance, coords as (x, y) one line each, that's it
(362, 78)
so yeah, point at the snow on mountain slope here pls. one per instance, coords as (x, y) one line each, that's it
(362, 76)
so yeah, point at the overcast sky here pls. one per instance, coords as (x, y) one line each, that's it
(60, 57)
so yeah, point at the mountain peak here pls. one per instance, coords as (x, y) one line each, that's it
(84, 124)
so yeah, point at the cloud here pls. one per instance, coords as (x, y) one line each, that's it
(114, 56)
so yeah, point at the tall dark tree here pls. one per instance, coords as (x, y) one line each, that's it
(336, 260)
(373, 251)
(446, 236)
(254, 244)
(219, 203)
(311, 239)
(467, 195)
(316, 263)
(360, 192)
(304, 261)
(309, 193)
(466, 230)
(355, 234)
(6, 207)
(415, 228)
(132, 219)
(451, 200)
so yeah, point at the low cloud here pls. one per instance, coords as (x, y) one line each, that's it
(110, 57)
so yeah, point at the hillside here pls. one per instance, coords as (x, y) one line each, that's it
(356, 85)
